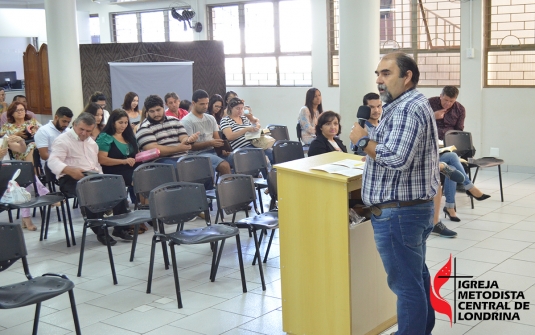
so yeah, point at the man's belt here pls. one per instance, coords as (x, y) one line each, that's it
(377, 209)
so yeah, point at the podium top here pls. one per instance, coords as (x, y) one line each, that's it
(305, 165)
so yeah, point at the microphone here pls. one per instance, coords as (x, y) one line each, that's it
(363, 115)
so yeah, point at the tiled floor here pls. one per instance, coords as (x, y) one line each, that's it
(496, 242)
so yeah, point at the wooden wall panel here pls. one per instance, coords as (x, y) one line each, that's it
(31, 78)
(46, 97)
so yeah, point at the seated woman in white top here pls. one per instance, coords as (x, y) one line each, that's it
(308, 115)
(236, 124)
(327, 130)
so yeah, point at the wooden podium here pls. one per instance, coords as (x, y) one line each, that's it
(332, 278)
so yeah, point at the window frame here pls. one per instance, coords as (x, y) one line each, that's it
(243, 54)
(487, 47)
(166, 17)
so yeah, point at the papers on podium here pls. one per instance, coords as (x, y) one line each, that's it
(346, 167)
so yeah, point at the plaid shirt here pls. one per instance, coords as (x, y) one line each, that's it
(406, 164)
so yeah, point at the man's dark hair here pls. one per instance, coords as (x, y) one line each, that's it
(152, 101)
(185, 104)
(64, 111)
(86, 118)
(171, 95)
(18, 96)
(370, 96)
(406, 63)
(199, 94)
(97, 96)
(450, 91)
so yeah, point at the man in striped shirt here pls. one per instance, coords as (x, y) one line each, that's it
(162, 132)
(400, 179)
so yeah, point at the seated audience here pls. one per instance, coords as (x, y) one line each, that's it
(185, 105)
(46, 135)
(118, 148)
(308, 115)
(75, 153)
(327, 131)
(199, 122)
(165, 133)
(449, 113)
(235, 125)
(16, 98)
(172, 101)
(229, 96)
(100, 99)
(373, 101)
(131, 106)
(21, 124)
(97, 111)
(215, 107)
(143, 117)
(3, 103)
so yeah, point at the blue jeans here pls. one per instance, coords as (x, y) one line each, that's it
(450, 187)
(400, 236)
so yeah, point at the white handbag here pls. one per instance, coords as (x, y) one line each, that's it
(14, 193)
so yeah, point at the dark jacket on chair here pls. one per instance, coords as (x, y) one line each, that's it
(321, 145)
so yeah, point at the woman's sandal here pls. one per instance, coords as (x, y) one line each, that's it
(25, 225)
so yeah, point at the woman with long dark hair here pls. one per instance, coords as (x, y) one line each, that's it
(309, 113)
(215, 107)
(97, 111)
(118, 148)
(131, 106)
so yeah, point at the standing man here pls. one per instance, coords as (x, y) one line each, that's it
(400, 179)
(46, 135)
(198, 121)
(172, 101)
(449, 113)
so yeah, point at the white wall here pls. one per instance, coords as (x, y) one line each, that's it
(11, 54)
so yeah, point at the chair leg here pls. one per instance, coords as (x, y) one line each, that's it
(134, 242)
(240, 260)
(36, 318)
(214, 256)
(10, 216)
(18, 214)
(470, 176)
(42, 234)
(260, 200)
(47, 212)
(164, 248)
(64, 226)
(269, 245)
(218, 259)
(70, 219)
(74, 313)
(57, 212)
(151, 262)
(110, 254)
(257, 254)
(500, 175)
(175, 274)
(82, 247)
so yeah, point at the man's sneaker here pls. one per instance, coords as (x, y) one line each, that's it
(441, 230)
(123, 234)
(452, 173)
(102, 240)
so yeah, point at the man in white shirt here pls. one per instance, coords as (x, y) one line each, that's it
(75, 152)
(46, 135)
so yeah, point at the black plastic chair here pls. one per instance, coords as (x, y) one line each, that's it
(278, 132)
(34, 290)
(100, 193)
(252, 161)
(198, 169)
(236, 192)
(300, 137)
(148, 176)
(285, 151)
(273, 190)
(44, 202)
(52, 182)
(462, 140)
(176, 203)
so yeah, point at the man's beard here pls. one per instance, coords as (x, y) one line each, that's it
(58, 127)
(386, 97)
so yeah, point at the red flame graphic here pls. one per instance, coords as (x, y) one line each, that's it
(439, 304)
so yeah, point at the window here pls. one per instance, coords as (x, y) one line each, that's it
(266, 43)
(510, 43)
(428, 30)
(152, 26)
(94, 28)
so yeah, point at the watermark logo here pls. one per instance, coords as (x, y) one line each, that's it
(479, 300)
